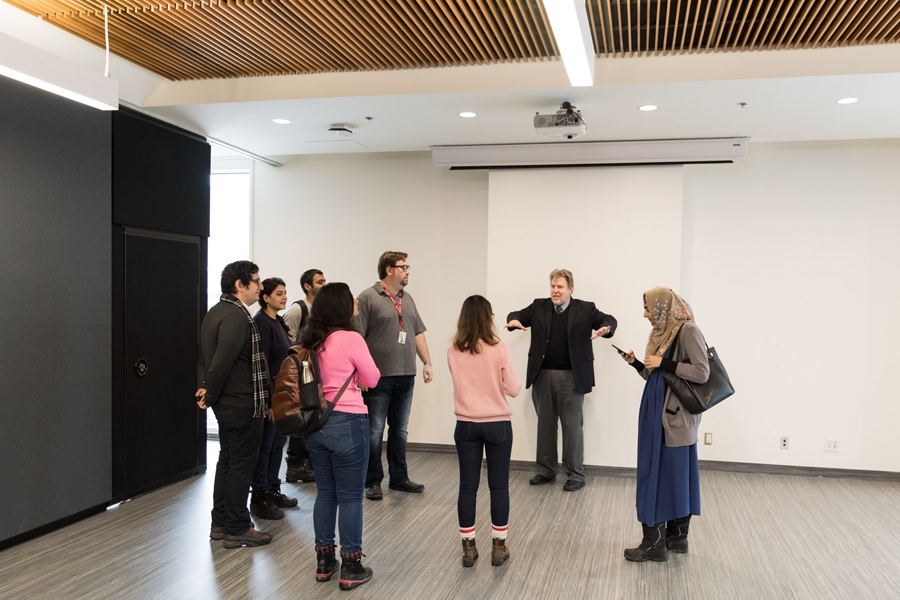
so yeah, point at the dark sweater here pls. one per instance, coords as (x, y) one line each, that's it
(557, 357)
(275, 344)
(225, 368)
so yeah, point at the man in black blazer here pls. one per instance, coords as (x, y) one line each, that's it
(561, 367)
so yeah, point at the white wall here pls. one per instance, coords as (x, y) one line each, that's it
(788, 259)
(611, 227)
(338, 213)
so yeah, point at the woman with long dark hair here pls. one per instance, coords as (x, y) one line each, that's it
(340, 449)
(483, 375)
(266, 501)
(668, 473)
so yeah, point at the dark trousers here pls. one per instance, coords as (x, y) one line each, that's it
(296, 452)
(268, 465)
(391, 402)
(474, 440)
(556, 398)
(240, 436)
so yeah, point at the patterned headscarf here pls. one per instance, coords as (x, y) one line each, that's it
(668, 312)
(260, 367)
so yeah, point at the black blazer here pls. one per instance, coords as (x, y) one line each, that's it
(584, 319)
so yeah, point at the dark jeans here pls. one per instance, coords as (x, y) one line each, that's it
(269, 463)
(339, 453)
(473, 440)
(391, 401)
(240, 436)
(296, 452)
(556, 397)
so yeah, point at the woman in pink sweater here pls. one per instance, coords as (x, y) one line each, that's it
(340, 449)
(483, 375)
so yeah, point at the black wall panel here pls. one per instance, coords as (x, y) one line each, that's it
(160, 176)
(55, 322)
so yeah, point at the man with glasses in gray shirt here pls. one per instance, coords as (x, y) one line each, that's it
(394, 333)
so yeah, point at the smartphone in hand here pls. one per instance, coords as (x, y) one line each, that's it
(619, 350)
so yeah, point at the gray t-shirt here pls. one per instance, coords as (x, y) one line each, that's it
(379, 324)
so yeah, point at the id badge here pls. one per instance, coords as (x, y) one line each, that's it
(402, 339)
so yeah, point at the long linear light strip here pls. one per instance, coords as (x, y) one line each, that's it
(569, 21)
(41, 69)
(226, 145)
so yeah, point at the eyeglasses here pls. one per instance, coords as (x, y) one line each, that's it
(256, 281)
(404, 268)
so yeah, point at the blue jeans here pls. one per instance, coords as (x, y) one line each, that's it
(240, 435)
(269, 463)
(339, 453)
(473, 440)
(391, 401)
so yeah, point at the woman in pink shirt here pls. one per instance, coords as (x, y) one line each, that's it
(340, 449)
(483, 375)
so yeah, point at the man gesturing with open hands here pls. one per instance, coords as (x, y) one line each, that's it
(561, 368)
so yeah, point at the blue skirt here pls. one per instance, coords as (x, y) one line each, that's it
(668, 479)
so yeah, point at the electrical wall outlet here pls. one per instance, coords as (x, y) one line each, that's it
(831, 445)
(783, 444)
(707, 439)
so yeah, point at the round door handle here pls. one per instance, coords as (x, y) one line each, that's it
(141, 367)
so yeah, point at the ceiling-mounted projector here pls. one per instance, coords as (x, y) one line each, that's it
(566, 123)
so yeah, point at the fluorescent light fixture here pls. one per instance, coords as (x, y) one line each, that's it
(848, 101)
(648, 107)
(467, 114)
(281, 121)
(586, 154)
(569, 21)
(33, 66)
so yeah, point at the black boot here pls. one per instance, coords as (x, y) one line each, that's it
(261, 505)
(677, 535)
(279, 499)
(353, 573)
(328, 564)
(653, 546)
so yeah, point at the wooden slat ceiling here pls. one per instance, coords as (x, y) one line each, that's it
(203, 39)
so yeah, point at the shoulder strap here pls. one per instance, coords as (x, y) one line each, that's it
(315, 361)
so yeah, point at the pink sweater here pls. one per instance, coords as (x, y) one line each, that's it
(481, 383)
(342, 352)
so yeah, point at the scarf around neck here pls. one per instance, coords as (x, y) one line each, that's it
(258, 363)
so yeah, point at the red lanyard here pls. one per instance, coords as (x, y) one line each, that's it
(399, 307)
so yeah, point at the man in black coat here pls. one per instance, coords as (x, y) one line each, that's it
(561, 368)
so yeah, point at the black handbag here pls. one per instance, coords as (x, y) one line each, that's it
(700, 397)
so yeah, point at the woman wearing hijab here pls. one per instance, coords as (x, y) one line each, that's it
(668, 474)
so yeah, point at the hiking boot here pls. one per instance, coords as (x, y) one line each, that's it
(302, 472)
(353, 573)
(261, 506)
(407, 486)
(279, 499)
(470, 552)
(216, 533)
(499, 552)
(328, 565)
(250, 538)
(373, 492)
(653, 546)
(677, 535)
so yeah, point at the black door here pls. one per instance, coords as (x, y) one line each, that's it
(164, 436)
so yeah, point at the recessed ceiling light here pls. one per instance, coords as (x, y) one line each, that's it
(281, 121)
(467, 114)
(848, 101)
(648, 107)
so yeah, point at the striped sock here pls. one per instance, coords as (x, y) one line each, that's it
(468, 533)
(499, 532)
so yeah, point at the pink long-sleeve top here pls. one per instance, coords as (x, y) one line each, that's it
(481, 383)
(342, 352)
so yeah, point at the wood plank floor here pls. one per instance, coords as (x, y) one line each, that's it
(760, 536)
